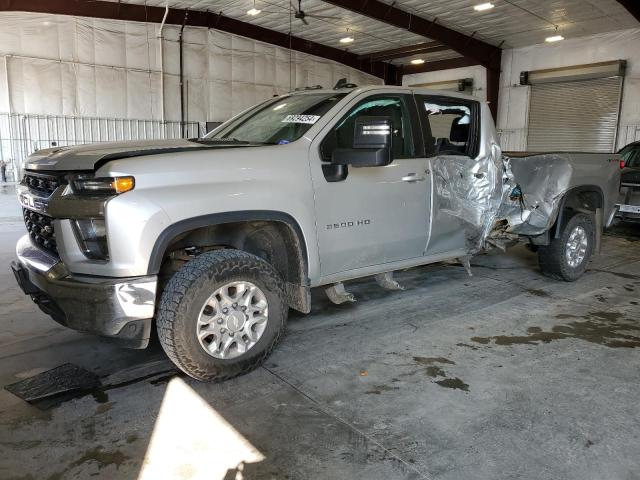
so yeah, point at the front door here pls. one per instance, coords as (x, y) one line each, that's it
(371, 215)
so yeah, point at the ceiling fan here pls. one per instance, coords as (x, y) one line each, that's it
(302, 15)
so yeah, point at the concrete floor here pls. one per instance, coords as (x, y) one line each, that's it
(506, 374)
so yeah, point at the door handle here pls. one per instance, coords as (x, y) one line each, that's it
(411, 178)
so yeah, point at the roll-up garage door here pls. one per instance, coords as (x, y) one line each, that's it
(578, 116)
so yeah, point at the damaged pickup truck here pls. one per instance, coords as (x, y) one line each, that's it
(212, 240)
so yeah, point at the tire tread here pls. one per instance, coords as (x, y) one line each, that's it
(551, 257)
(216, 265)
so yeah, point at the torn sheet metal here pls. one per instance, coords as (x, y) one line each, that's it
(473, 195)
(542, 180)
(501, 198)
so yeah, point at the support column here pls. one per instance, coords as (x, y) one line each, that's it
(493, 91)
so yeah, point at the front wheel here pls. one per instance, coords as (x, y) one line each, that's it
(221, 314)
(567, 257)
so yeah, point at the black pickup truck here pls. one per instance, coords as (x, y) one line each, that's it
(629, 208)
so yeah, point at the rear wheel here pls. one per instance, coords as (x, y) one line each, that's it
(221, 314)
(567, 257)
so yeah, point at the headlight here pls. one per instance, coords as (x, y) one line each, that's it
(90, 185)
(92, 237)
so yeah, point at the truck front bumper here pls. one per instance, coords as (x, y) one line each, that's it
(120, 308)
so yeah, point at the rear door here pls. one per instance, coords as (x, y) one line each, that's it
(371, 215)
(462, 173)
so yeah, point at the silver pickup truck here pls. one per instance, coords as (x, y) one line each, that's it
(212, 240)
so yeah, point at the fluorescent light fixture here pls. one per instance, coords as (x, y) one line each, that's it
(555, 38)
(346, 40)
(253, 12)
(483, 6)
(417, 61)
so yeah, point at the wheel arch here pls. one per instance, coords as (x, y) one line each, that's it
(584, 198)
(272, 235)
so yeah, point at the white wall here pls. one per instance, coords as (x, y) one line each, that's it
(514, 99)
(477, 73)
(62, 65)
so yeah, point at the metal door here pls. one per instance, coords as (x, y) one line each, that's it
(374, 215)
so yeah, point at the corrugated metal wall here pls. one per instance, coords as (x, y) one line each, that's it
(92, 67)
(580, 116)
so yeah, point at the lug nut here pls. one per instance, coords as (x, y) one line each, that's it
(231, 334)
(235, 305)
(220, 321)
(244, 308)
(222, 330)
(225, 310)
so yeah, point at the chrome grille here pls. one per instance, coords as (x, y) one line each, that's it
(40, 228)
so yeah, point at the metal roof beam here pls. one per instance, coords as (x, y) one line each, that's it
(457, 62)
(418, 49)
(483, 53)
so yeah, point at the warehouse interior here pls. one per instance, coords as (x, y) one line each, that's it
(482, 368)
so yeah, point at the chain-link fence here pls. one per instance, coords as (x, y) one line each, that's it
(21, 135)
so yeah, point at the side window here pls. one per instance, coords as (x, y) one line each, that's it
(632, 157)
(452, 124)
(394, 107)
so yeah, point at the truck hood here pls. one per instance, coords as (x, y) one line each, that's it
(92, 156)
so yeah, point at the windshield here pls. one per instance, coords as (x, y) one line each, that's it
(279, 121)
(631, 155)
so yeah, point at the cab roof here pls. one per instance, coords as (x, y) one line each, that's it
(394, 88)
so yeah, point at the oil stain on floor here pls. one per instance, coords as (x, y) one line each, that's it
(95, 455)
(610, 329)
(435, 371)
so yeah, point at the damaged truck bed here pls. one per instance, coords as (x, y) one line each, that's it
(212, 240)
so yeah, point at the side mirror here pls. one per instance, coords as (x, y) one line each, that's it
(372, 142)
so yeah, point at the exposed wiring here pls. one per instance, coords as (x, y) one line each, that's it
(540, 17)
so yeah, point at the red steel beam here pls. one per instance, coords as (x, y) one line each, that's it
(482, 52)
(493, 89)
(439, 65)
(418, 49)
(198, 18)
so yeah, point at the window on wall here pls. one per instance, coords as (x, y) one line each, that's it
(394, 107)
(452, 125)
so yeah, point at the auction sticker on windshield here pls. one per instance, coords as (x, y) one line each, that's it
(309, 119)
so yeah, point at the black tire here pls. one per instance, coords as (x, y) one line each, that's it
(552, 259)
(184, 297)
